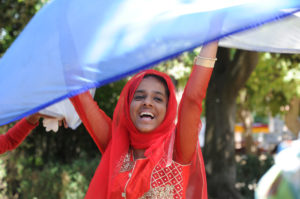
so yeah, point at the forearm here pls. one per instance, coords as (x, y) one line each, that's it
(94, 119)
(15, 135)
(209, 50)
(195, 89)
(190, 108)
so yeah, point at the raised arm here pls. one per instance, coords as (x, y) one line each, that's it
(191, 104)
(15, 135)
(94, 119)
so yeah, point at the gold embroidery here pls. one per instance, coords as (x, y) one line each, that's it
(172, 175)
(127, 163)
(165, 192)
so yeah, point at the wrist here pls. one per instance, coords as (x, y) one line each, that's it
(33, 119)
(205, 61)
(209, 49)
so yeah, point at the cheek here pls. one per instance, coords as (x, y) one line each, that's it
(131, 111)
(163, 112)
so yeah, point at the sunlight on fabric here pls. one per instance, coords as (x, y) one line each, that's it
(148, 13)
(71, 46)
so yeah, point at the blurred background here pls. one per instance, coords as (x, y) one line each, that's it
(251, 110)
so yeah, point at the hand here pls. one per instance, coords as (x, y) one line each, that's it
(34, 118)
(63, 122)
(209, 50)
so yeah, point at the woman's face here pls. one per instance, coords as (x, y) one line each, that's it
(149, 104)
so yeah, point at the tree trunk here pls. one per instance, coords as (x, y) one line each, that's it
(228, 78)
(292, 117)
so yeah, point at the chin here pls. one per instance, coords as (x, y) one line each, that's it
(145, 130)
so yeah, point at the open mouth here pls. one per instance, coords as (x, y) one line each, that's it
(146, 115)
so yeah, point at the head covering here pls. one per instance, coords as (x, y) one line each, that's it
(125, 134)
(158, 143)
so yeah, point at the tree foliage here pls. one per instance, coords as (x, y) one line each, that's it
(229, 76)
(179, 68)
(62, 160)
(272, 85)
(46, 154)
(15, 14)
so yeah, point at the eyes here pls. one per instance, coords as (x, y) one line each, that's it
(158, 99)
(140, 97)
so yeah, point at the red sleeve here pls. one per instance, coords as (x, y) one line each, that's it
(97, 123)
(190, 110)
(14, 136)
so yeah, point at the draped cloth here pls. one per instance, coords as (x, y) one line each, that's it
(71, 46)
(157, 143)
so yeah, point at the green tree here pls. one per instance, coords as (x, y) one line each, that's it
(15, 14)
(273, 84)
(272, 89)
(42, 153)
(231, 72)
(179, 68)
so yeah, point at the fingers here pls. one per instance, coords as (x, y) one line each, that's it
(65, 123)
(59, 122)
(33, 119)
(46, 116)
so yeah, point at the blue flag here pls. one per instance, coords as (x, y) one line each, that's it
(70, 46)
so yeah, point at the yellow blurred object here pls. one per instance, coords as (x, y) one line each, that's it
(256, 128)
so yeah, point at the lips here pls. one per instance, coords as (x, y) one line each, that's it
(146, 115)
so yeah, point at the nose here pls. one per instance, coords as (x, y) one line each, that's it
(147, 101)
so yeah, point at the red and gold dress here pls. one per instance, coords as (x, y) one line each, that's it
(144, 179)
(161, 173)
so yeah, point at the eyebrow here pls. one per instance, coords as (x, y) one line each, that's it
(156, 92)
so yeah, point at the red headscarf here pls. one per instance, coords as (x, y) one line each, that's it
(157, 143)
(125, 134)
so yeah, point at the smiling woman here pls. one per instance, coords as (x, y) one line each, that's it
(149, 104)
(145, 154)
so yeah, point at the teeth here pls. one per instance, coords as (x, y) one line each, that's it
(146, 114)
